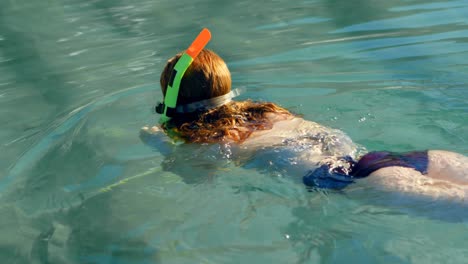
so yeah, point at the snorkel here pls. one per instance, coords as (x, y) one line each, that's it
(168, 108)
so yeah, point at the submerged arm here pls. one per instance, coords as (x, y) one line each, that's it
(157, 139)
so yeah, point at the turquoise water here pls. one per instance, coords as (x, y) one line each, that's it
(79, 78)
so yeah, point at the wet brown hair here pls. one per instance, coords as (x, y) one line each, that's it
(208, 76)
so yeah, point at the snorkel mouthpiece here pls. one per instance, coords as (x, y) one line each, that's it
(167, 109)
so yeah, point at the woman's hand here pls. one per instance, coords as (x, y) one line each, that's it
(149, 135)
(148, 130)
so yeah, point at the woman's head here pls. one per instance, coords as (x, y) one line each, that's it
(208, 76)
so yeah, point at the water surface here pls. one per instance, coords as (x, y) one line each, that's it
(79, 78)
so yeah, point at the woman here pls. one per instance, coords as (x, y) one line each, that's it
(327, 157)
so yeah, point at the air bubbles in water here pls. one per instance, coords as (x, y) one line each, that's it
(225, 150)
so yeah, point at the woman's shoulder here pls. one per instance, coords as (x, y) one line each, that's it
(289, 128)
(289, 125)
(282, 127)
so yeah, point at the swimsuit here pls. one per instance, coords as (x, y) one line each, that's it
(339, 177)
(373, 161)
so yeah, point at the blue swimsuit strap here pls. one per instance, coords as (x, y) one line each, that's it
(329, 176)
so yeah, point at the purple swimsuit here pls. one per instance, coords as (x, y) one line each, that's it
(330, 177)
(373, 161)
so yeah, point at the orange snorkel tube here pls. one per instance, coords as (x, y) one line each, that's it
(170, 99)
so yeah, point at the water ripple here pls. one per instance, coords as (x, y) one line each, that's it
(295, 22)
(422, 20)
(56, 133)
(436, 5)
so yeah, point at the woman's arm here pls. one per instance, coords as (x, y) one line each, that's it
(157, 139)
